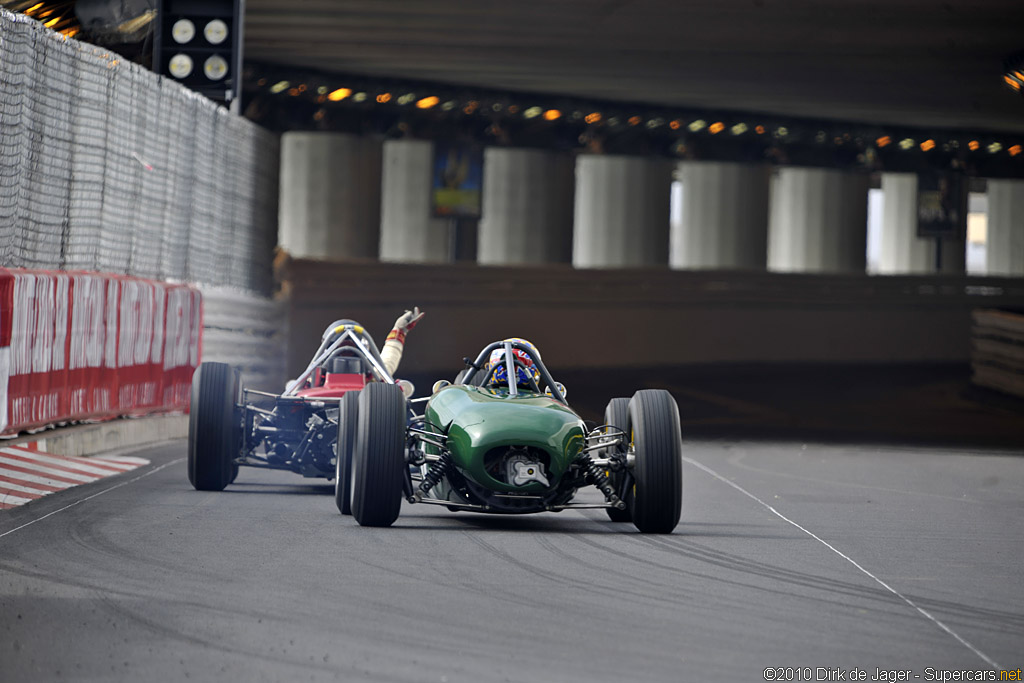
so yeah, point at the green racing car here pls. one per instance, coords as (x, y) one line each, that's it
(502, 439)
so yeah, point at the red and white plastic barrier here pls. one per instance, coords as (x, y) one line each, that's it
(87, 346)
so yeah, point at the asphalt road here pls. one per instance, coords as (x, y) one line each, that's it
(788, 555)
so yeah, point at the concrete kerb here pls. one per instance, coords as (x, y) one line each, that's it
(104, 437)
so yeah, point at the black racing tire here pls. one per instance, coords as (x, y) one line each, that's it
(213, 437)
(379, 456)
(348, 417)
(617, 415)
(658, 470)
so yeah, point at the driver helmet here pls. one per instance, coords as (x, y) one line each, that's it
(523, 374)
(348, 347)
(338, 327)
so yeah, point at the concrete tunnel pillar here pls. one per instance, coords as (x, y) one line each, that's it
(724, 222)
(902, 251)
(527, 207)
(329, 195)
(1004, 248)
(622, 211)
(818, 221)
(409, 231)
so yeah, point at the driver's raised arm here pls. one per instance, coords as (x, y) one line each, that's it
(391, 354)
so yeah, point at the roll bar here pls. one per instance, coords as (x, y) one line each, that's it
(477, 365)
(364, 346)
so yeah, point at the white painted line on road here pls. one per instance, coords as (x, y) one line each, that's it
(11, 486)
(95, 495)
(12, 500)
(123, 461)
(988, 660)
(25, 470)
(33, 466)
(85, 465)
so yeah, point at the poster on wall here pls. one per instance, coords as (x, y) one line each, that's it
(458, 180)
(941, 204)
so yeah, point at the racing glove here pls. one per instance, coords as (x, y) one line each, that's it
(406, 322)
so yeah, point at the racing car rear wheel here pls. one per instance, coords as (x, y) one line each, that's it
(213, 437)
(379, 457)
(347, 418)
(658, 469)
(617, 415)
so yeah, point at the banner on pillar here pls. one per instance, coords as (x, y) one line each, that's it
(941, 205)
(78, 346)
(457, 187)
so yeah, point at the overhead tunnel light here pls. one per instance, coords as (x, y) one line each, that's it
(1013, 72)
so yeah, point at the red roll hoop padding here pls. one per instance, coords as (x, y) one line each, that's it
(80, 346)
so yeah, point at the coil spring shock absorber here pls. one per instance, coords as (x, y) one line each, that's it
(601, 482)
(434, 475)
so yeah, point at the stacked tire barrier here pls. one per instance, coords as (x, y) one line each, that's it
(108, 167)
(80, 346)
(997, 350)
(248, 332)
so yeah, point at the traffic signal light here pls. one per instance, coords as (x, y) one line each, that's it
(199, 44)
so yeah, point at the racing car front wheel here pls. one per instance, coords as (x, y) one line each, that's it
(213, 436)
(347, 419)
(617, 415)
(658, 469)
(379, 457)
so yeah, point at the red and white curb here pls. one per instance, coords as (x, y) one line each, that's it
(27, 474)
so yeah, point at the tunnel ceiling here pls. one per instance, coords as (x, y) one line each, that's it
(901, 62)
